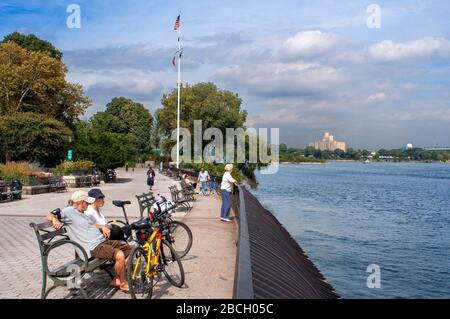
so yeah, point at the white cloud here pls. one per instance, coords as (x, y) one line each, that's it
(283, 79)
(417, 49)
(377, 97)
(310, 44)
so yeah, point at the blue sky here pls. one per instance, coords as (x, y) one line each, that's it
(305, 67)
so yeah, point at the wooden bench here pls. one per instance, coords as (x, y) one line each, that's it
(57, 184)
(179, 198)
(84, 181)
(8, 192)
(145, 201)
(68, 273)
(188, 190)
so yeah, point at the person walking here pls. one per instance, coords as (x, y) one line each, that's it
(225, 190)
(203, 178)
(150, 177)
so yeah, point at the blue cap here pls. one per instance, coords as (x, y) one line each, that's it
(96, 193)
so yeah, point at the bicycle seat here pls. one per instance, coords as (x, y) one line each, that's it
(141, 224)
(121, 203)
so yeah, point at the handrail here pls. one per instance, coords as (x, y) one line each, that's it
(243, 278)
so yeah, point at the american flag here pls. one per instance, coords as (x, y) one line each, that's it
(177, 23)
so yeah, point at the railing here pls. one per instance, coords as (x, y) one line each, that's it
(270, 263)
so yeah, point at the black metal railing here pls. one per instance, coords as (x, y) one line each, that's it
(270, 263)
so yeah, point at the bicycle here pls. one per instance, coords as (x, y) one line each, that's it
(212, 187)
(179, 235)
(153, 257)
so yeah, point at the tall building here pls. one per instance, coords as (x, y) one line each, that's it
(328, 143)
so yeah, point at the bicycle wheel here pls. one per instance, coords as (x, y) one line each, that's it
(180, 237)
(141, 285)
(171, 264)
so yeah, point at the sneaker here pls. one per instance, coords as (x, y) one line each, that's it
(225, 220)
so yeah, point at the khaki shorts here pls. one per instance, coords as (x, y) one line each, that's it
(109, 249)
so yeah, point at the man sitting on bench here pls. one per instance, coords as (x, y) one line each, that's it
(94, 238)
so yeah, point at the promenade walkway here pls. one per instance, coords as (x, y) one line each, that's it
(209, 266)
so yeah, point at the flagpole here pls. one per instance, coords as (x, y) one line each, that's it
(178, 101)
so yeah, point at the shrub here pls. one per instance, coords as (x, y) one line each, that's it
(12, 170)
(67, 167)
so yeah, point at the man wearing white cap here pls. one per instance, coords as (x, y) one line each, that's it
(93, 237)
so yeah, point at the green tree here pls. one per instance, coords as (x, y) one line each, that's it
(309, 151)
(33, 137)
(33, 43)
(124, 116)
(35, 82)
(106, 149)
(204, 101)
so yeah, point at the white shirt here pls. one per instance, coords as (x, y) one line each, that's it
(203, 177)
(227, 182)
(95, 217)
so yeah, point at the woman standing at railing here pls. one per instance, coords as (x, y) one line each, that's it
(225, 189)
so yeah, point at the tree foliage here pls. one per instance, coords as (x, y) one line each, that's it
(33, 137)
(204, 101)
(124, 116)
(33, 43)
(35, 82)
(106, 149)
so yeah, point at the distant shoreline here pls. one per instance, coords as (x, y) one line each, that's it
(355, 161)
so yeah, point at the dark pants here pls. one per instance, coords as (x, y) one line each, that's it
(226, 204)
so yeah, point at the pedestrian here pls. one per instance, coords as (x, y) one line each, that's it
(225, 190)
(150, 177)
(203, 178)
(126, 167)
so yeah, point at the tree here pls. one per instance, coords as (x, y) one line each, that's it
(309, 151)
(106, 149)
(33, 137)
(33, 43)
(124, 116)
(35, 82)
(203, 101)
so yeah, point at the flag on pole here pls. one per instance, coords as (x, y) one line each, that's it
(177, 23)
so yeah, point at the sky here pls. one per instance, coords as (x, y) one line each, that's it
(301, 66)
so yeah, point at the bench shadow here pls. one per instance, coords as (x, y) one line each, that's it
(189, 257)
(161, 289)
(96, 287)
(121, 180)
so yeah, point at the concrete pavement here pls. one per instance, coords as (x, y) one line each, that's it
(209, 267)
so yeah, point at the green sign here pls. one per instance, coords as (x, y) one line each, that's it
(69, 155)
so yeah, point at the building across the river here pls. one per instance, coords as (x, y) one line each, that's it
(328, 143)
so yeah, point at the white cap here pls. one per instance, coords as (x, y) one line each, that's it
(80, 196)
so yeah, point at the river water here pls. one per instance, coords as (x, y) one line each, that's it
(347, 216)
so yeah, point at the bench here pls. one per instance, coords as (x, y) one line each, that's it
(145, 201)
(188, 190)
(66, 274)
(57, 184)
(179, 198)
(8, 192)
(84, 181)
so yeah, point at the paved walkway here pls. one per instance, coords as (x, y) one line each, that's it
(209, 266)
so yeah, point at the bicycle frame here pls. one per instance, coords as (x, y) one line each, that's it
(148, 248)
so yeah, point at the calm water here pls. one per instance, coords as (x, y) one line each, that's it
(347, 216)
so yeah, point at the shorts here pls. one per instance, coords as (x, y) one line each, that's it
(109, 249)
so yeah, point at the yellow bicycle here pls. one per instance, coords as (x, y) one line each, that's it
(153, 257)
